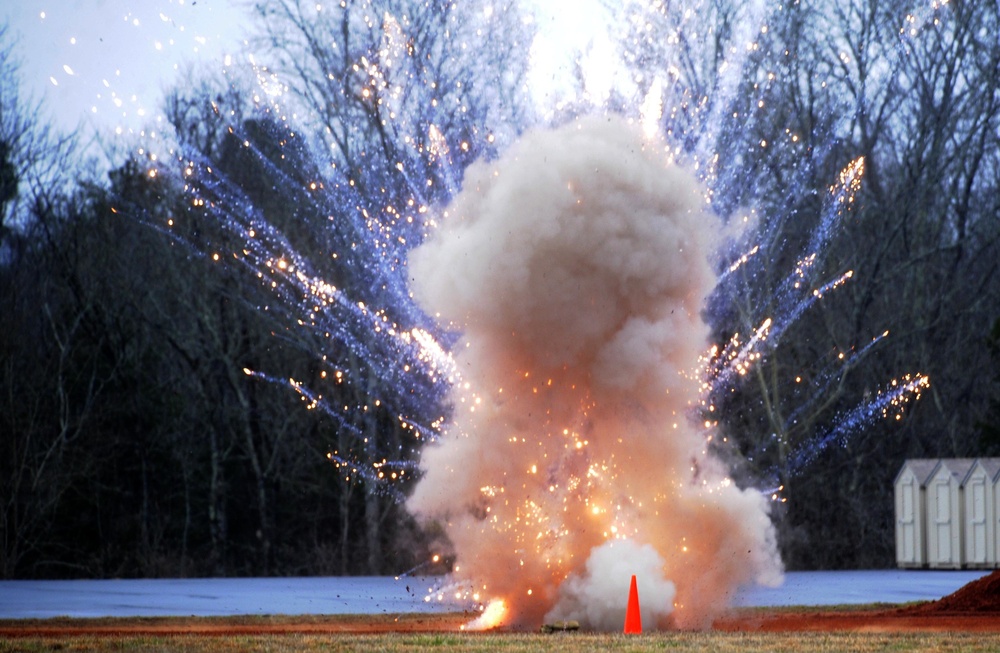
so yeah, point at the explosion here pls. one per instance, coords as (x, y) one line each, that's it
(575, 268)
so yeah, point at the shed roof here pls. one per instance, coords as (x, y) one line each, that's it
(990, 465)
(957, 467)
(923, 469)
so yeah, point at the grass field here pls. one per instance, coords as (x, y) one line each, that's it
(414, 632)
(563, 642)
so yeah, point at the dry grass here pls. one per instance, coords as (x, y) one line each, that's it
(436, 632)
(558, 643)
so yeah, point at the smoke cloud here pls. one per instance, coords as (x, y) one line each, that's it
(598, 597)
(575, 268)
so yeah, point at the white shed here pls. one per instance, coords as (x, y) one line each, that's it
(945, 541)
(909, 491)
(995, 525)
(979, 513)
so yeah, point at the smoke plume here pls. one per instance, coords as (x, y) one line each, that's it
(575, 268)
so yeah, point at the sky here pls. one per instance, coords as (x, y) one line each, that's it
(105, 64)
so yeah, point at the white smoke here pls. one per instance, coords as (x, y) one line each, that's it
(598, 596)
(576, 268)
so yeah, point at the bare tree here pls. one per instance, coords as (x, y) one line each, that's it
(403, 94)
(861, 141)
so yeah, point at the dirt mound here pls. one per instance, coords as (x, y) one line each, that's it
(981, 595)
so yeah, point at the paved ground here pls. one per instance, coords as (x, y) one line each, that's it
(375, 596)
(972, 608)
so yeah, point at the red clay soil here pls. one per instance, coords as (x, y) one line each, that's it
(973, 608)
(979, 596)
(277, 625)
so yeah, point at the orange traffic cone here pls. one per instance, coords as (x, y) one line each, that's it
(633, 620)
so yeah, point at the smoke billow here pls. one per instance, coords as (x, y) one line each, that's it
(594, 597)
(576, 267)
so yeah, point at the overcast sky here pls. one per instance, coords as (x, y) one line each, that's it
(106, 63)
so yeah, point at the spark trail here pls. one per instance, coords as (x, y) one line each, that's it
(376, 352)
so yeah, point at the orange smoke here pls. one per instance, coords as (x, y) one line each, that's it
(575, 267)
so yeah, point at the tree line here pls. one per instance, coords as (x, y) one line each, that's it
(208, 360)
(181, 396)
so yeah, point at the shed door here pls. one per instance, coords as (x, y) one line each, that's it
(907, 522)
(942, 521)
(977, 520)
